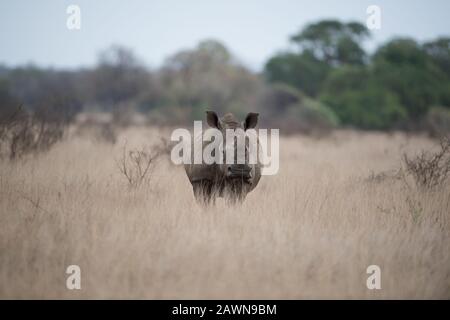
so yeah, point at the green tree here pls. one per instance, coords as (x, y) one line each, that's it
(439, 51)
(359, 100)
(301, 71)
(323, 46)
(334, 42)
(403, 67)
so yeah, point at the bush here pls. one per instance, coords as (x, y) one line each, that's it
(137, 165)
(310, 117)
(278, 97)
(437, 121)
(23, 133)
(292, 111)
(430, 170)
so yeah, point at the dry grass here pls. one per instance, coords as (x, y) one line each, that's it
(309, 232)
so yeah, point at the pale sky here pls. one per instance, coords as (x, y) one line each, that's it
(35, 31)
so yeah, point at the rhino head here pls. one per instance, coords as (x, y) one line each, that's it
(242, 171)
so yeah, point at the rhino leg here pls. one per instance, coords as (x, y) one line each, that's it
(204, 192)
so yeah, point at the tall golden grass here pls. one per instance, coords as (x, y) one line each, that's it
(309, 232)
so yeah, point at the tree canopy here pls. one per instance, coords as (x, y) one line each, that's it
(326, 79)
(395, 87)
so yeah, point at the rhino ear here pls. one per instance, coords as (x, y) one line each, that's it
(251, 120)
(212, 119)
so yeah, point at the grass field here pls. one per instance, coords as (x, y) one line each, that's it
(309, 232)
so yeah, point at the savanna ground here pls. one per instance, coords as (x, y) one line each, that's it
(309, 232)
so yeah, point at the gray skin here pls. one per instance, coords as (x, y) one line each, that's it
(232, 181)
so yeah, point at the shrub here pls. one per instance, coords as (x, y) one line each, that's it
(137, 165)
(310, 117)
(292, 111)
(437, 121)
(430, 170)
(278, 97)
(23, 133)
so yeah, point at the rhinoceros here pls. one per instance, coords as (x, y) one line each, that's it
(231, 181)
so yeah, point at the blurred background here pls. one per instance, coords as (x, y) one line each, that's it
(85, 171)
(305, 66)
